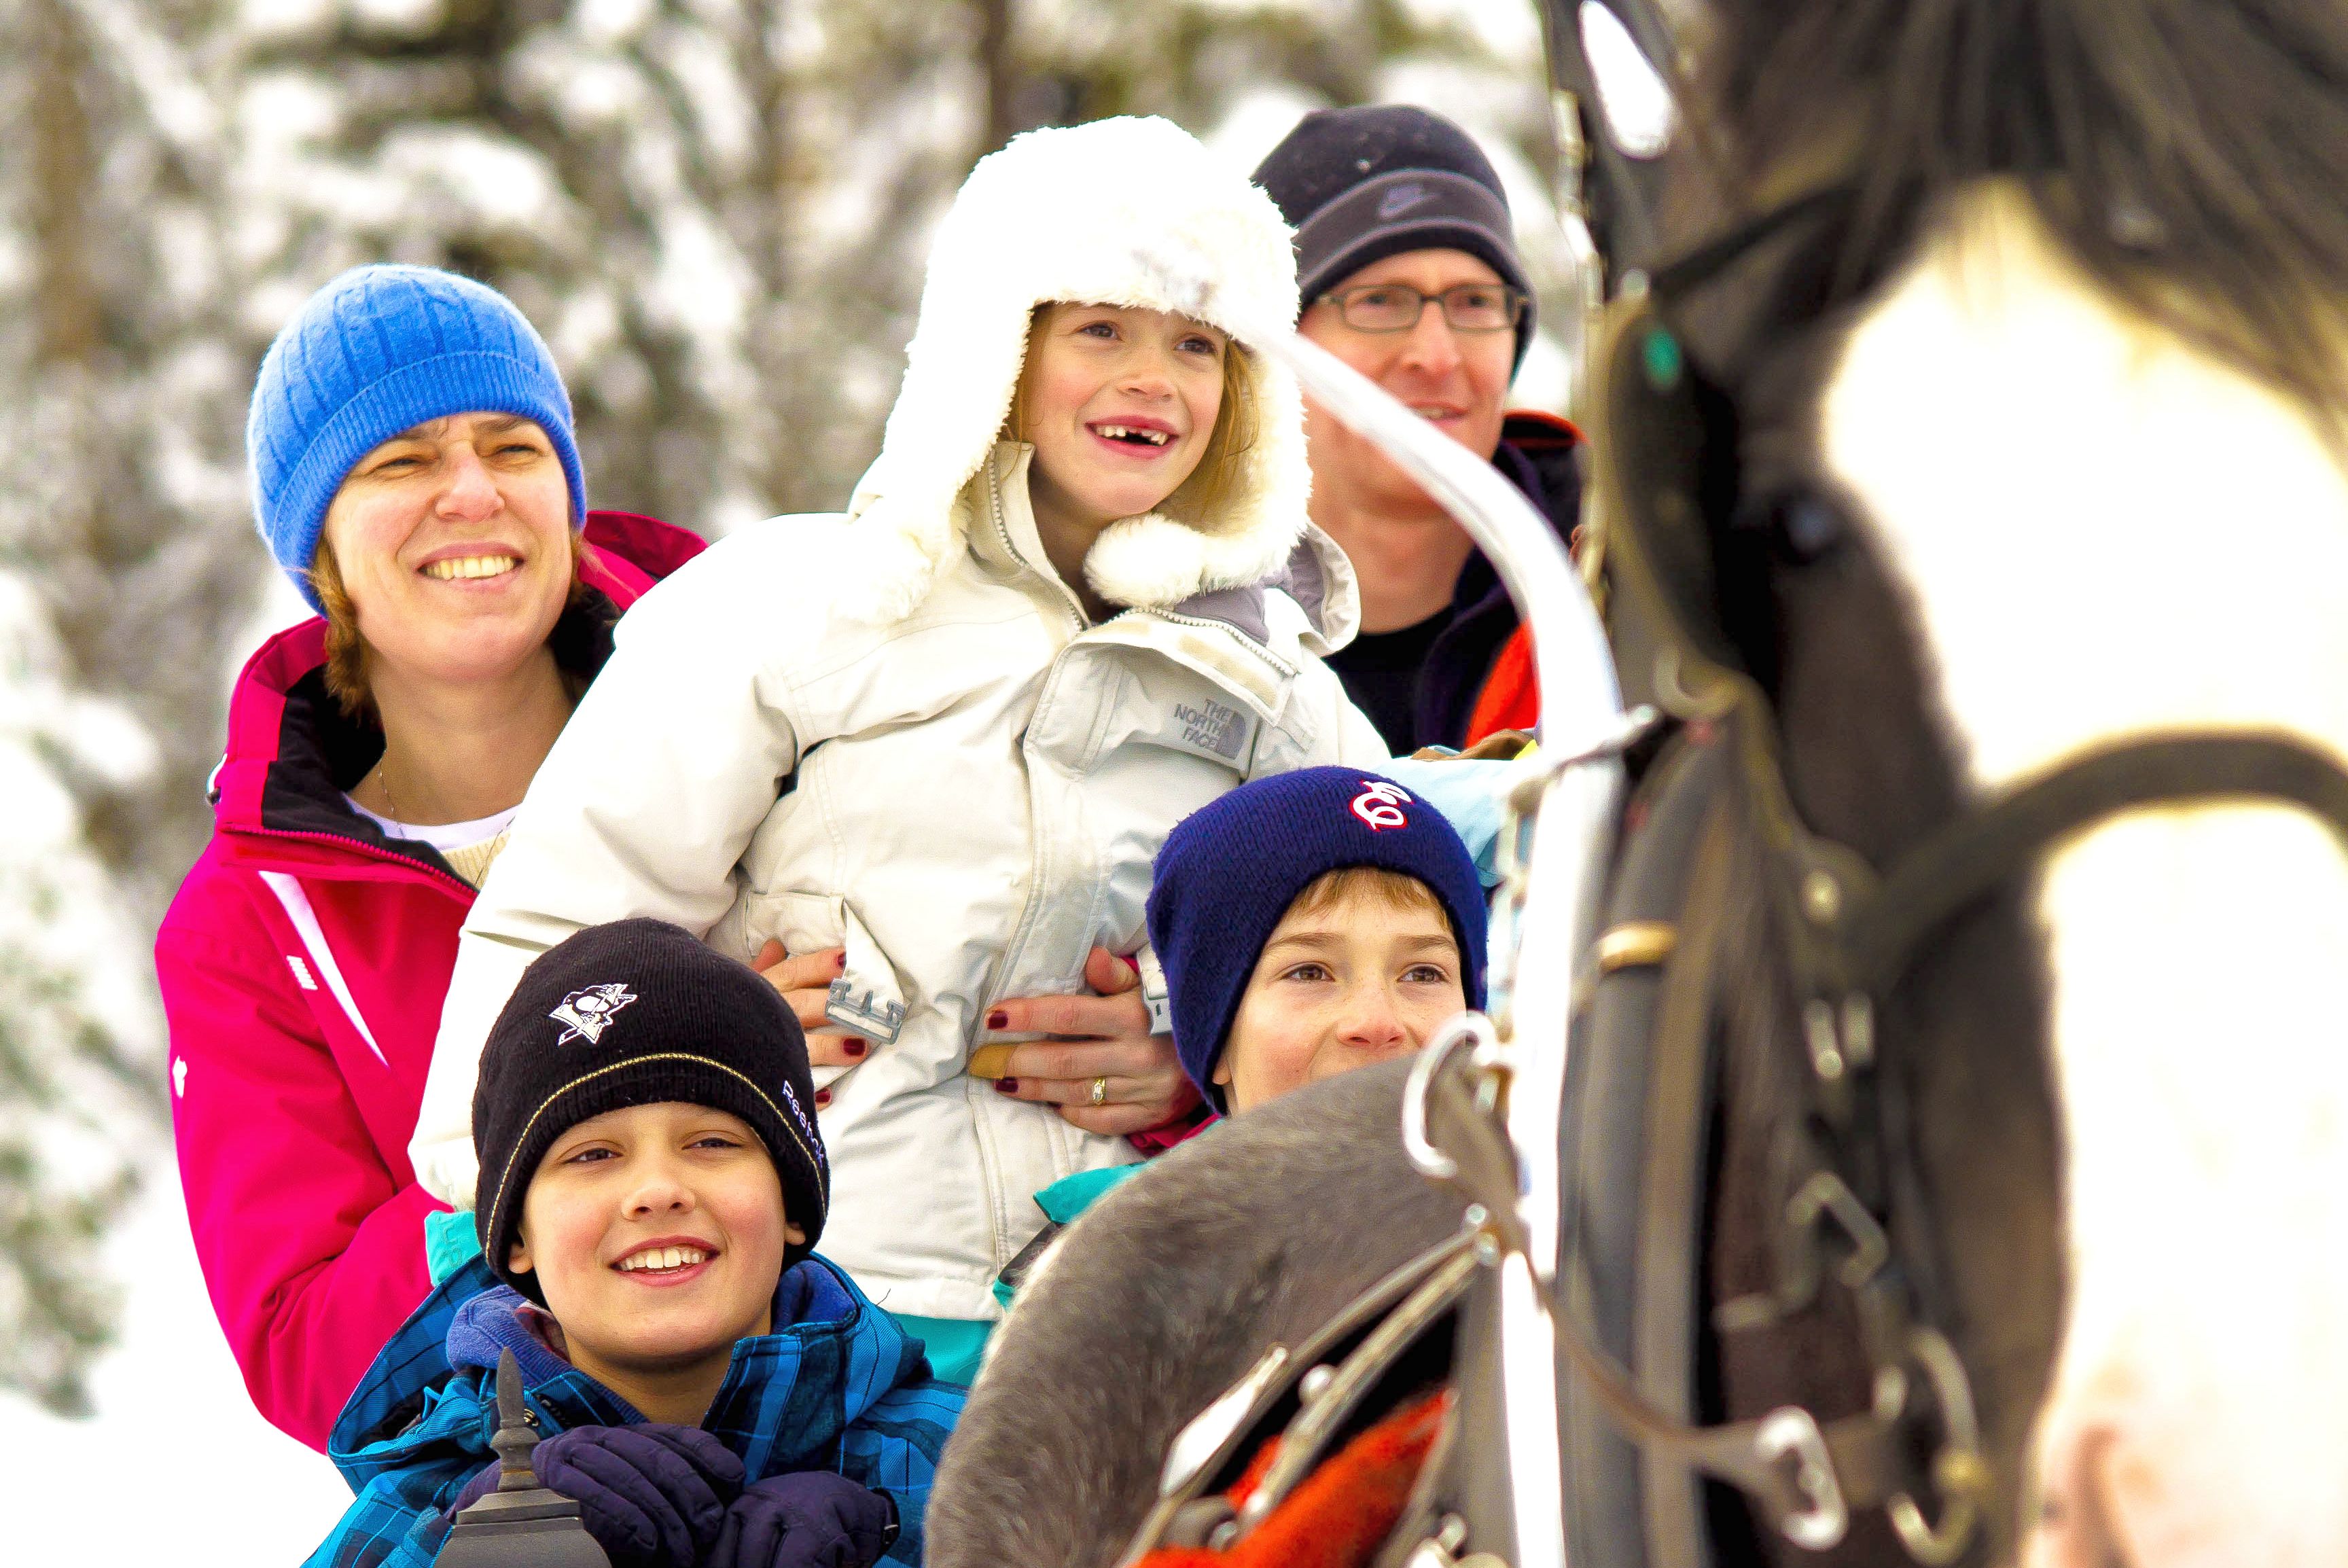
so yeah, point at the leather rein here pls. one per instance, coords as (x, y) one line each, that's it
(1847, 936)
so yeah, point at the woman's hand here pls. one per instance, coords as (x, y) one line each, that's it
(1104, 1038)
(806, 984)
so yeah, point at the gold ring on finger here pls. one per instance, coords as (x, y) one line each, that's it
(1100, 1091)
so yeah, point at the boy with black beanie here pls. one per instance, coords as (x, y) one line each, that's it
(652, 1184)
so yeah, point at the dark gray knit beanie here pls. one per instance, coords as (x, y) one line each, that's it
(1361, 184)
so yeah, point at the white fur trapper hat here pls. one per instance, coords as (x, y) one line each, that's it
(1071, 214)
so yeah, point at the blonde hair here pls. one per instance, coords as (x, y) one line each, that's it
(1401, 894)
(1238, 424)
(346, 650)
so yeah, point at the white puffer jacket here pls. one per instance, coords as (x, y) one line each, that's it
(896, 731)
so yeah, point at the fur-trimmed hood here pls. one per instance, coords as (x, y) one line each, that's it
(1067, 215)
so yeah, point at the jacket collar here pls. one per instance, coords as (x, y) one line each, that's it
(787, 1398)
(998, 524)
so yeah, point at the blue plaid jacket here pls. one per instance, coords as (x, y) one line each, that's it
(837, 1385)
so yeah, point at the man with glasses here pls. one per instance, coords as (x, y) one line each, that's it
(1407, 266)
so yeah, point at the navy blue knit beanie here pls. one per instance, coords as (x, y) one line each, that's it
(1361, 184)
(1229, 870)
(379, 350)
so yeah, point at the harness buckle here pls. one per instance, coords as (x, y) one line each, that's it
(1790, 1432)
(1827, 1194)
(1839, 1044)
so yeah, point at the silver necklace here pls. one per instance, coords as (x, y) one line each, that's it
(383, 779)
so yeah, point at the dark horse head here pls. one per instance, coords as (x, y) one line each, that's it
(1977, 410)
(2004, 341)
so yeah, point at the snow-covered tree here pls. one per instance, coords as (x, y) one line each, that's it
(123, 560)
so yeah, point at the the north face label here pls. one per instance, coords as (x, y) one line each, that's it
(1212, 726)
(586, 1013)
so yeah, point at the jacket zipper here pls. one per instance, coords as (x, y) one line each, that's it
(1283, 666)
(998, 1216)
(1084, 624)
(1002, 530)
(463, 888)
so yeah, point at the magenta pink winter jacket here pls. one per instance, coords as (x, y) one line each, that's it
(303, 966)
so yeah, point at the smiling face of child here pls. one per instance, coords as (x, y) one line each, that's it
(1120, 406)
(1362, 968)
(657, 1233)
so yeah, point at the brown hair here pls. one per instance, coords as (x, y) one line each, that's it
(346, 650)
(1403, 894)
(1238, 423)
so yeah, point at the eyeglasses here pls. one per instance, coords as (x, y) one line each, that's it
(1396, 307)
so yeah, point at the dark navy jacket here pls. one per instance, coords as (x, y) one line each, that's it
(1537, 454)
(837, 1385)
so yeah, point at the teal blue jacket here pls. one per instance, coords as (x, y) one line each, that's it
(837, 1387)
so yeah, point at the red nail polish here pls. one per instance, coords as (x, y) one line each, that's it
(840, 961)
(998, 1020)
(1007, 1086)
(822, 1098)
(855, 1048)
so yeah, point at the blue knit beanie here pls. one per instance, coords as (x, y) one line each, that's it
(379, 350)
(1231, 869)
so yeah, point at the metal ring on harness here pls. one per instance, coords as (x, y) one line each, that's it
(1959, 1473)
(1465, 1029)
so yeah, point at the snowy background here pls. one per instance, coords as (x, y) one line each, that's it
(716, 212)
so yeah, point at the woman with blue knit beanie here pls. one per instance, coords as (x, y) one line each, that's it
(415, 474)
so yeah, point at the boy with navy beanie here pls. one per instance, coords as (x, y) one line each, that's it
(711, 1392)
(1309, 923)
(1306, 923)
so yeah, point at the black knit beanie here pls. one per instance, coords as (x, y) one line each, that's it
(1361, 184)
(638, 1013)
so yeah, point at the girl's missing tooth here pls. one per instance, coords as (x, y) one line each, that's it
(1074, 599)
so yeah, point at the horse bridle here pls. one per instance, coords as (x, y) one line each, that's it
(1849, 937)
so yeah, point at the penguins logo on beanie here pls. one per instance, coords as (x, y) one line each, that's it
(585, 1014)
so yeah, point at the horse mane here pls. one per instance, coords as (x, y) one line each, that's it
(2189, 155)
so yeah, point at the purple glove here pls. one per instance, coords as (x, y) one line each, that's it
(808, 1519)
(653, 1496)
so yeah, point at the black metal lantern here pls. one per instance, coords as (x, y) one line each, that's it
(522, 1525)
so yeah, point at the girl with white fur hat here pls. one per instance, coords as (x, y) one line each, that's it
(1074, 599)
